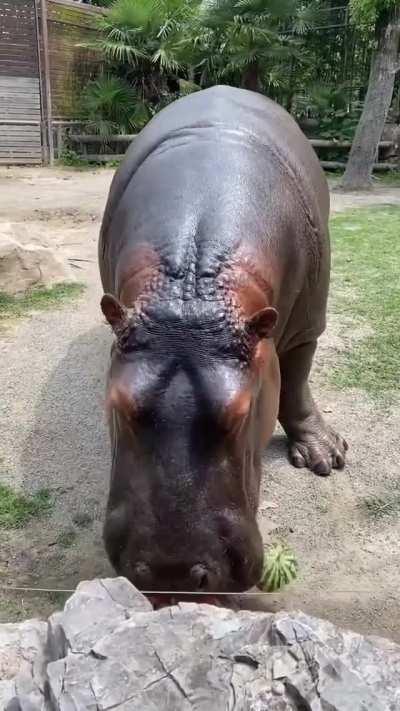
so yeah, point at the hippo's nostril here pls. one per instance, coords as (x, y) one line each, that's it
(141, 573)
(199, 576)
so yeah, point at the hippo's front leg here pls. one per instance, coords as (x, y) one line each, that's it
(312, 443)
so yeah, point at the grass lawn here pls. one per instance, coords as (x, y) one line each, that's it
(12, 307)
(16, 509)
(391, 179)
(366, 287)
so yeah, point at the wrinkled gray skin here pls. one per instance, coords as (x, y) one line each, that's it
(216, 226)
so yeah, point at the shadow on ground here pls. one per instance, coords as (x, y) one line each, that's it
(67, 452)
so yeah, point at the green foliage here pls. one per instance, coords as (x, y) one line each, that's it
(157, 50)
(141, 42)
(70, 159)
(111, 105)
(366, 289)
(230, 40)
(16, 509)
(321, 100)
(367, 12)
(339, 125)
(387, 504)
(280, 568)
(143, 36)
(329, 106)
(112, 164)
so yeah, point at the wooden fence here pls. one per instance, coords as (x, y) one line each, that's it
(94, 148)
(43, 68)
(20, 98)
(70, 25)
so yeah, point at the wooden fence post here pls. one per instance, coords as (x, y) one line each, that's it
(43, 136)
(46, 80)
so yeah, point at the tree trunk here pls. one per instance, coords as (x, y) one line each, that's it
(251, 78)
(364, 149)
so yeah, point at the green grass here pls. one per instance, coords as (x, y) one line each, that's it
(17, 607)
(71, 159)
(387, 504)
(390, 179)
(67, 538)
(11, 610)
(82, 519)
(387, 180)
(37, 299)
(16, 509)
(366, 289)
(59, 599)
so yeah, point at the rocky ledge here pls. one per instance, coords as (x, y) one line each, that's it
(109, 649)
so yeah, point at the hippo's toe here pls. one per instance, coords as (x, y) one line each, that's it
(320, 450)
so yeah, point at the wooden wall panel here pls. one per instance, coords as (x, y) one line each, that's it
(18, 44)
(71, 65)
(20, 108)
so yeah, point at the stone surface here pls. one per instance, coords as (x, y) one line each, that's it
(23, 266)
(22, 665)
(109, 650)
(94, 610)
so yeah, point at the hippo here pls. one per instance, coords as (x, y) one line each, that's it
(215, 261)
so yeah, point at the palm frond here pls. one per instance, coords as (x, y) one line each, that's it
(165, 59)
(121, 52)
(108, 104)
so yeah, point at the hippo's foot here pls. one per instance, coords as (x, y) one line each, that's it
(314, 445)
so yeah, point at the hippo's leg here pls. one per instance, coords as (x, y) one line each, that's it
(312, 443)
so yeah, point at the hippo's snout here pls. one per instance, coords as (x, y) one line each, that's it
(207, 563)
(184, 577)
(199, 578)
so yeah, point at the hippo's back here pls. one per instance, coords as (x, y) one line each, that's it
(226, 109)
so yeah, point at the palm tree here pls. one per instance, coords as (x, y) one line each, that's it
(243, 42)
(385, 15)
(139, 41)
(163, 48)
(139, 38)
(110, 105)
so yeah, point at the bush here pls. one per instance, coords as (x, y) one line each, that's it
(110, 105)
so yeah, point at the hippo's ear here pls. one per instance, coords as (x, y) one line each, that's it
(115, 313)
(262, 323)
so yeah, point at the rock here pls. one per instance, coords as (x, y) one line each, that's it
(25, 266)
(109, 650)
(22, 703)
(96, 608)
(22, 665)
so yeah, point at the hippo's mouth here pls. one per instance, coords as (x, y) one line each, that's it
(160, 600)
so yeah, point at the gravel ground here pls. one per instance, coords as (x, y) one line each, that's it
(52, 434)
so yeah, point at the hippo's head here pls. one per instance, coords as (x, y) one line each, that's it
(186, 400)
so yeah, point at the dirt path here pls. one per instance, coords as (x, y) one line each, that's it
(52, 434)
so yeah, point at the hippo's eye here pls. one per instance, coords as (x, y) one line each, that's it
(235, 350)
(136, 340)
